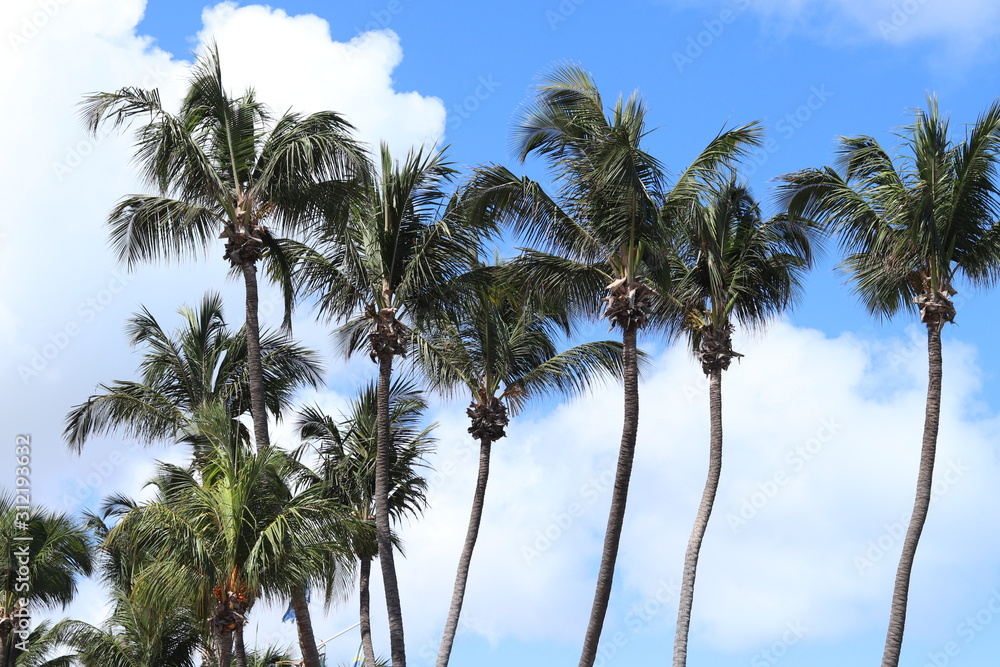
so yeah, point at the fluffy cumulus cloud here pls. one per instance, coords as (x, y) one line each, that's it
(294, 63)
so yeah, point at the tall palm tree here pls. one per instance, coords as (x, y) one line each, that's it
(735, 267)
(42, 555)
(229, 532)
(348, 456)
(225, 165)
(496, 346)
(602, 228)
(199, 363)
(385, 271)
(910, 230)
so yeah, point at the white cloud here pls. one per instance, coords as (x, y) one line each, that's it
(963, 25)
(293, 63)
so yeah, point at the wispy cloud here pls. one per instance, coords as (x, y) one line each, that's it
(961, 25)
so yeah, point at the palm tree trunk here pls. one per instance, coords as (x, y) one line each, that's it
(239, 650)
(257, 404)
(225, 649)
(383, 533)
(303, 624)
(925, 476)
(619, 496)
(701, 521)
(364, 593)
(457, 597)
(4, 649)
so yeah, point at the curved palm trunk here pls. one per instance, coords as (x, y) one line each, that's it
(257, 404)
(239, 650)
(364, 594)
(457, 597)
(383, 533)
(701, 520)
(897, 616)
(619, 496)
(303, 624)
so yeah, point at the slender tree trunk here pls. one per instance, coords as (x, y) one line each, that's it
(458, 596)
(303, 624)
(239, 650)
(619, 496)
(225, 649)
(364, 594)
(925, 476)
(257, 404)
(383, 532)
(701, 520)
(5, 646)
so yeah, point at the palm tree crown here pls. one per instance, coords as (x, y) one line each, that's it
(43, 556)
(203, 362)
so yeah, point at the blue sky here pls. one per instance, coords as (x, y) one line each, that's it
(796, 572)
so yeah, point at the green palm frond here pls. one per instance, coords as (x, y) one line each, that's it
(909, 226)
(201, 362)
(736, 266)
(58, 555)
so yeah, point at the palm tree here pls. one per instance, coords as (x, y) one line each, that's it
(134, 637)
(386, 271)
(44, 640)
(223, 164)
(200, 363)
(348, 455)
(603, 227)
(503, 353)
(229, 532)
(735, 266)
(43, 556)
(910, 231)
